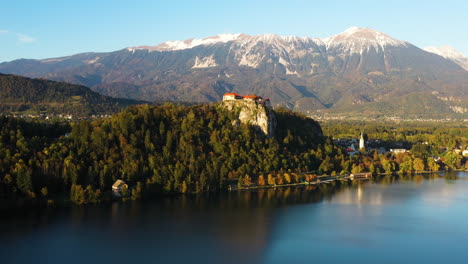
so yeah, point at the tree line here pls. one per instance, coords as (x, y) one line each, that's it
(192, 149)
(155, 149)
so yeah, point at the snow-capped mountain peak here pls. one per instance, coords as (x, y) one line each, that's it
(190, 43)
(353, 39)
(356, 39)
(289, 51)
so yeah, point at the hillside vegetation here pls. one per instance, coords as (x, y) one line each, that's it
(156, 149)
(21, 95)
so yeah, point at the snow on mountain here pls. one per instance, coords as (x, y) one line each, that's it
(92, 61)
(292, 55)
(52, 60)
(358, 40)
(446, 52)
(274, 49)
(206, 62)
(353, 39)
(303, 73)
(190, 43)
(451, 54)
(248, 48)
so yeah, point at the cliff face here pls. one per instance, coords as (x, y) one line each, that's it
(254, 114)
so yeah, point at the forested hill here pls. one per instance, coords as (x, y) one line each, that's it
(156, 149)
(21, 95)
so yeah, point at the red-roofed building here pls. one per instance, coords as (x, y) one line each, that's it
(252, 97)
(231, 96)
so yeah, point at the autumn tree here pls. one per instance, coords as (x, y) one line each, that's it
(418, 164)
(261, 180)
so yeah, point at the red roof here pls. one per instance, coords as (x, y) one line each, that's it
(235, 94)
(252, 96)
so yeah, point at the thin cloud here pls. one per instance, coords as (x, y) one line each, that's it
(25, 38)
(21, 38)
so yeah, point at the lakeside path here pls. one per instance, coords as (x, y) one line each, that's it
(325, 179)
(320, 180)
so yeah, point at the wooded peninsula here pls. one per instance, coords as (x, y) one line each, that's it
(192, 149)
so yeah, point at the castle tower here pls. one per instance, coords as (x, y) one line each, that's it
(362, 145)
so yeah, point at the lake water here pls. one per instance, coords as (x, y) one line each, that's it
(413, 220)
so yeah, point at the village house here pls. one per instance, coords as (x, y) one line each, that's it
(118, 187)
(351, 150)
(396, 151)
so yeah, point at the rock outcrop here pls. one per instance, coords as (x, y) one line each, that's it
(253, 113)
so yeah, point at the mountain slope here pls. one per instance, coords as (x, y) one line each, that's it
(451, 54)
(357, 67)
(24, 95)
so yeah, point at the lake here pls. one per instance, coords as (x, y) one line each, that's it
(411, 219)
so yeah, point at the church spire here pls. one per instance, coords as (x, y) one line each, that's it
(362, 145)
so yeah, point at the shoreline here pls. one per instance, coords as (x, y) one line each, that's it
(7, 206)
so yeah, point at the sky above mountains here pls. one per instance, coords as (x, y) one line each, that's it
(54, 28)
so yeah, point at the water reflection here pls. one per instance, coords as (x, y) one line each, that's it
(362, 220)
(377, 191)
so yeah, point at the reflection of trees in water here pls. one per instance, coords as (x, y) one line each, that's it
(274, 197)
(416, 178)
(254, 198)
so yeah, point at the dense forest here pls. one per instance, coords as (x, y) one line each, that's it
(192, 149)
(155, 149)
(21, 95)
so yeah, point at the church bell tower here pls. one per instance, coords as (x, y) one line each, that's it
(362, 145)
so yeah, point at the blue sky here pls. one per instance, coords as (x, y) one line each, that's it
(54, 28)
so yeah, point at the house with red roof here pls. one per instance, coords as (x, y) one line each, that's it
(232, 96)
(252, 97)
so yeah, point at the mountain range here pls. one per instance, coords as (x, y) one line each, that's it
(359, 72)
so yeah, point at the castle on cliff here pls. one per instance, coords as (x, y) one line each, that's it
(252, 97)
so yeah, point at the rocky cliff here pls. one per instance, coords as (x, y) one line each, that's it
(254, 114)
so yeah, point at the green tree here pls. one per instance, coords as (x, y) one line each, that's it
(23, 177)
(77, 194)
(136, 192)
(406, 166)
(433, 166)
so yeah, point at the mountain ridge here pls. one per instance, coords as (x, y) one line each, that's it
(353, 68)
(450, 53)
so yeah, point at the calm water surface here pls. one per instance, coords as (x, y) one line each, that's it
(413, 220)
